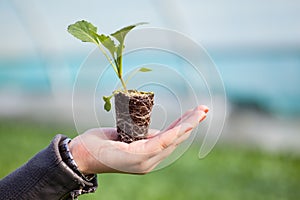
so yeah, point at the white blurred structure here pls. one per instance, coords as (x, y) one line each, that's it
(26, 25)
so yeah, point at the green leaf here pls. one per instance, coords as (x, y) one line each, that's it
(144, 69)
(108, 43)
(87, 32)
(120, 34)
(107, 104)
(84, 31)
(119, 58)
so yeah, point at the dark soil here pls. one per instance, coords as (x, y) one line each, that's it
(133, 111)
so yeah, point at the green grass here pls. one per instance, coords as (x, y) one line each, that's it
(227, 173)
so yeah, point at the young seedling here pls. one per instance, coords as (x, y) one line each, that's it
(133, 108)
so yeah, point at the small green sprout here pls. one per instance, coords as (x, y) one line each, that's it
(111, 46)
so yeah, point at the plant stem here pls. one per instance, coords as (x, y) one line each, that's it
(131, 75)
(119, 73)
(108, 58)
(123, 84)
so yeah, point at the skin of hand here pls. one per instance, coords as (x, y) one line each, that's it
(98, 151)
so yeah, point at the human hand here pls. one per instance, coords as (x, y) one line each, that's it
(98, 151)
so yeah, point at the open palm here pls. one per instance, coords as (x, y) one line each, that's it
(99, 151)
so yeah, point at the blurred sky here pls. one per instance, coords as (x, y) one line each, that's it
(30, 24)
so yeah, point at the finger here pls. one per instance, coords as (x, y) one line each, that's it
(158, 158)
(203, 108)
(165, 139)
(182, 138)
(175, 123)
(201, 111)
(202, 118)
(188, 124)
(194, 118)
(152, 162)
(153, 145)
(171, 148)
(152, 133)
(166, 152)
(166, 143)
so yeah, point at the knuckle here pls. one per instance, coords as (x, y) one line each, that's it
(163, 145)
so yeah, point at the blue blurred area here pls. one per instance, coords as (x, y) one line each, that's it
(27, 75)
(264, 80)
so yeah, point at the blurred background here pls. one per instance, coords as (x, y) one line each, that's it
(255, 46)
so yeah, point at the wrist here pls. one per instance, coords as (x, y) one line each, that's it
(79, 156)
(71, 158)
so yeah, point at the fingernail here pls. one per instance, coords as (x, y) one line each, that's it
(206, 110)
(203, 108)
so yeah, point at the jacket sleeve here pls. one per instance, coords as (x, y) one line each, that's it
(45, 177)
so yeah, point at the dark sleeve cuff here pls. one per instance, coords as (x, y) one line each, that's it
(45, 176)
